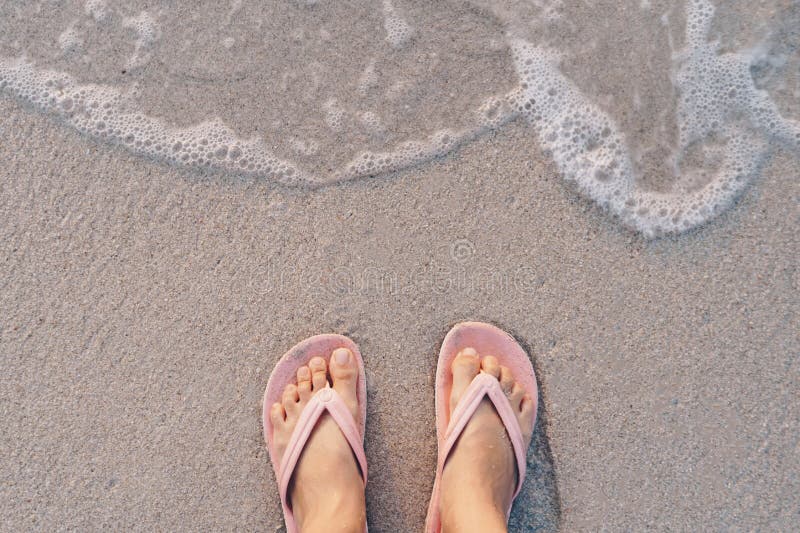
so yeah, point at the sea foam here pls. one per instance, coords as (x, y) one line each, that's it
(727, 126)
(721, 114)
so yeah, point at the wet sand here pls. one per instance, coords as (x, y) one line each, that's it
(143, 307)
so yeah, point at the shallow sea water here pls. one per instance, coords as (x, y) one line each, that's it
(662, 112)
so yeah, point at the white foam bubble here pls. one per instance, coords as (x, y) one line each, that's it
(398, 31)
(368, 80)
(116, 123)
(334, 114)
(304, 147)
(721, 116)
(70, 41)
(726, 125)
(147, 34)
(372, 122)
(97, 9)
(103, 112)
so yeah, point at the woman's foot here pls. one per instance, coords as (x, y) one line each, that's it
(326, 492)
(480, 474)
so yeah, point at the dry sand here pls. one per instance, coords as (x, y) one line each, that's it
(143, 307)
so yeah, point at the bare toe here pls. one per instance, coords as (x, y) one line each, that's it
(344, 374)
(527, 415)
(290, 400)
(319, 373)
(277, 415)
(517, 393)
(304, 384)
(465, 367)
(491, 366)
(526, 409)
(506, 380)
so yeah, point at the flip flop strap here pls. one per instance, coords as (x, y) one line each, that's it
(484, 385)
(325, 400)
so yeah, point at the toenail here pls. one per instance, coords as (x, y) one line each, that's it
(469, 351)
(304, 372)
(342, 356)
(325, 395)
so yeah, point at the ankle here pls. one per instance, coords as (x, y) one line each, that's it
(473, 517)
(338, 524)
(469, 487)
(341, 523)
(337, 512)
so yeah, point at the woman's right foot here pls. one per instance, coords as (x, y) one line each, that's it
(480, 474)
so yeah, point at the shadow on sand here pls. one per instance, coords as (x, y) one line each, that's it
(538, 506)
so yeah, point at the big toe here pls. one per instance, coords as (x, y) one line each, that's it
(344, 373)
(465, 367)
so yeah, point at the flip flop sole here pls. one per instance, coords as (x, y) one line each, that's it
(486, 339)
(285, 372)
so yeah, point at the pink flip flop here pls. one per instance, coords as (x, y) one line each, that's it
(489, 340)
(325, 400)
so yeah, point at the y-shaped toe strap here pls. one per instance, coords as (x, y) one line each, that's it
(485, 385)
(325, 400)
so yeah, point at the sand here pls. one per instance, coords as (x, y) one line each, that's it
(143, 307)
